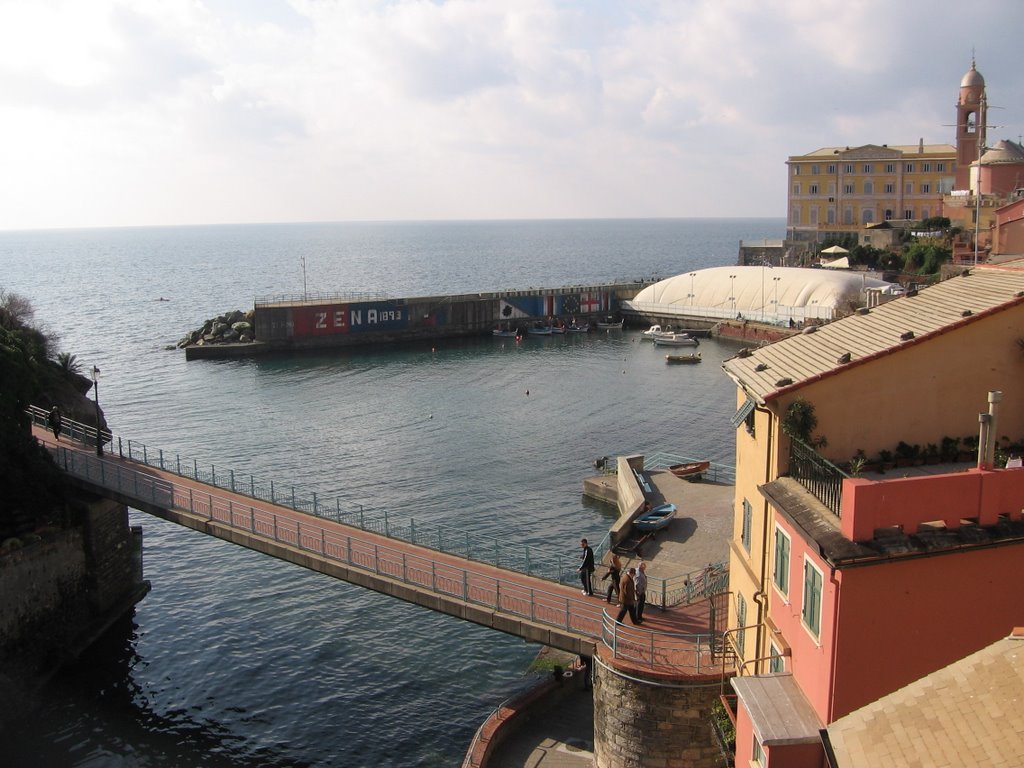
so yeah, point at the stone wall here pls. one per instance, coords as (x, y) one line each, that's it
(652, 721)
(59, 594)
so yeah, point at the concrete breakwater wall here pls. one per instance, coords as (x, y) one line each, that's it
(345, 320)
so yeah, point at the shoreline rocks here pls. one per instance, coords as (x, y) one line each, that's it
(235, 327)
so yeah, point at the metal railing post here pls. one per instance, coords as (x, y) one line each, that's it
(412, 529)
(465, 584)
(272, 500)
(191, 502)
(210, 495)
(213, 474)
(195, 469)
(178, 456)
(120, 451)
(161, 458)
(314, 504)
(232, 481)
(252, 519)
(293, 498)
(348, 549)
(145, 455)
(387, 525)
(252, 486)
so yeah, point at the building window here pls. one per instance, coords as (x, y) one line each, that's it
(940, 167)
(811, 611)
(748, 518)
(830, 215)
(867, 216)
(926, 188)
(890, 189)
(776, 662)
(908, 214)
(814, 215)
(926, 167)
(924, 214)
(782, 548)
(867, 168)
(848, 189)
(909, 188)
(741, 622)
(848, 216)
(890, 168)
(909, 168)
(888, 214)
(796, 170)
(831, 189)
(831, 169)
(796, 216)
(849, 167)
(796, 189)
(812, 189)
(757, 753)
(814, 170)
(869, 188)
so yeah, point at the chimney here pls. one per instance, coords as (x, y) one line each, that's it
(920, 146)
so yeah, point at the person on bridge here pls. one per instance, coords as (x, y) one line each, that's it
(615, 574)
(640, 582)
(627, 597)
(586, 568)
(55, 421)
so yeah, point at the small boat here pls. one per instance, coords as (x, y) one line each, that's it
(539, 330)
(505, 332)
(690, 358)
(656, 519)
(609, 324)
(655, 331)
(574, 328)
(692, 469)
(676, 340)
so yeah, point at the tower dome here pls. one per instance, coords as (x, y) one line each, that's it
(972, 79)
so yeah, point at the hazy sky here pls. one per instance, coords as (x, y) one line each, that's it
(134, 112)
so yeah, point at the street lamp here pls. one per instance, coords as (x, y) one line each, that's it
(692, 294)
(732, 291)
(776, 281)
(96, 395)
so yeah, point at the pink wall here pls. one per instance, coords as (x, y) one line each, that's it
(904, 619)
(911, 501)
(811, 660)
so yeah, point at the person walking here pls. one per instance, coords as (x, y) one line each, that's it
(640, 582)
(627, 597)
(586, 568)
(55, 421)
(615, 574)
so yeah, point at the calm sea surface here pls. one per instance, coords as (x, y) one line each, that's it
(236, 659)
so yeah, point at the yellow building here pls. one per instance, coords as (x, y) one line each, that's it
(915, 371)
(836, 191)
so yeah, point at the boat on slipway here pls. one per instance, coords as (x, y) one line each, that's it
(691, 470)
(655, 519)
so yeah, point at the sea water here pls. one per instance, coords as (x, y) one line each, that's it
(237, 659)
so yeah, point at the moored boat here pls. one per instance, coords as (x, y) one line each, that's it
(539, 330)
(656, 519)
(609, 324)
(655, 331)
(690, 469)
(675, 340)
(690, 358)
(505, 332)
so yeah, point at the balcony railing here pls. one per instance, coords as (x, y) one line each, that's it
(818, 475)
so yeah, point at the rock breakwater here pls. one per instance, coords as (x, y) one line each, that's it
(234, 327)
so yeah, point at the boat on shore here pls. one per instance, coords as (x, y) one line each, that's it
(690, 358)
(656, 519)
(692, 470)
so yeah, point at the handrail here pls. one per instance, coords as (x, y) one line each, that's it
(695, 652)
(817, 474)
(531, 561)
(439, 577)
(716, 473)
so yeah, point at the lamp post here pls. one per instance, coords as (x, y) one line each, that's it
(732, 291)
(692, 294)
(776, 281)
(96, 395)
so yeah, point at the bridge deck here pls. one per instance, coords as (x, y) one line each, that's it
(675, 641)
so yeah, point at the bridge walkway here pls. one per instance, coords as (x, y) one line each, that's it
(676, 640)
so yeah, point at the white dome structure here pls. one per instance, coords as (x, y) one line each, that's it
(769, 294)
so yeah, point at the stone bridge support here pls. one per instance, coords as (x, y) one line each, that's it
(645, 719)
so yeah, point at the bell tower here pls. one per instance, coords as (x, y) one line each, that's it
(970, 125)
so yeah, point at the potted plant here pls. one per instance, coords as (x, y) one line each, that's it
(949, 450)
(969, 448)
(885, 460)
(931, 454)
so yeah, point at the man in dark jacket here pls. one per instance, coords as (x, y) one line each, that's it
(586, 568)
(627, 597)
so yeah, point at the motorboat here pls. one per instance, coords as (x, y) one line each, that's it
(676, 340)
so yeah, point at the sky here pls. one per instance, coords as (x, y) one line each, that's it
(153, 112)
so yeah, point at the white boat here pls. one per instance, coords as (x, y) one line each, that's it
(676, 340)
(609, 324)
(655, 331)
(505, 332)
(539, 330)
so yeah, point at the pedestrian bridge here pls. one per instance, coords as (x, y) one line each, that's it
(514, 590)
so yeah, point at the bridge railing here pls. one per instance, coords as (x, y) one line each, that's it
(557, 567)
(308, 533)
(533, 561)
(695, 653)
